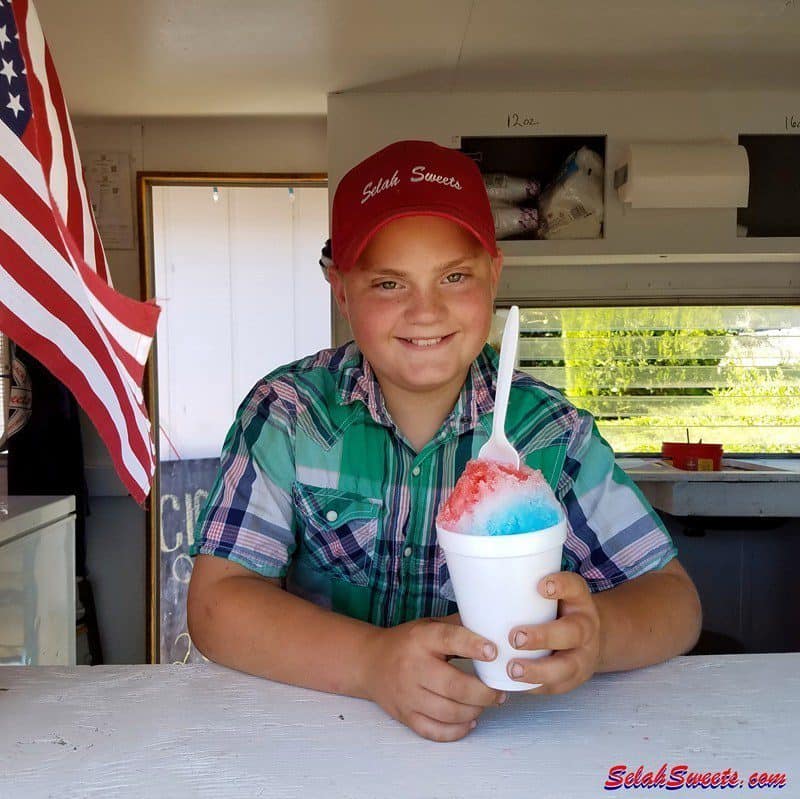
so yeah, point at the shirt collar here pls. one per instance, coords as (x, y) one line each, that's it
(357, 381)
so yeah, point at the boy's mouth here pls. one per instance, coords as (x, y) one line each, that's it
(426, 343)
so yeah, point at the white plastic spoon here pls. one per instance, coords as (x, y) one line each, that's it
(498, 448)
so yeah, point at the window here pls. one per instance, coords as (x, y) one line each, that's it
(728, 375)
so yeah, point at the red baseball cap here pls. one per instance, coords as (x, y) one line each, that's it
(408, 178)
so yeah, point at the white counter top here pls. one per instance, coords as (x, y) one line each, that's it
(26, 514)
(752, 487)
(205, 731)
(734, 470)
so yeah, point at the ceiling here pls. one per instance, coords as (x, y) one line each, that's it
(282, 57)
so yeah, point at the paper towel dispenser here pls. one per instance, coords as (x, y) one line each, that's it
(683, 175)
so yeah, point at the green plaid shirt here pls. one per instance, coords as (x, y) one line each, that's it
(317, 485)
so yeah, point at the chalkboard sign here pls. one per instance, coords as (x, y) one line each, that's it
(184, 487)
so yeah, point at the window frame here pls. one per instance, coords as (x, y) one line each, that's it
(506, 303)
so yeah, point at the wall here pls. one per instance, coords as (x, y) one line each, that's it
(241, 294)
(744, 571)
(116, 534)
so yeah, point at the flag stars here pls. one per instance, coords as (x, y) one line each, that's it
(14, 104)
(4, 40)
(8, 70)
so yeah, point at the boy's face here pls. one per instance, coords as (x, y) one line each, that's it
(419, 302)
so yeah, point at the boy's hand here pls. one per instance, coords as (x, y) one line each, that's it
(574, 638)
(408, 675)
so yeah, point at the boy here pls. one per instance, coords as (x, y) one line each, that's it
(317, 561)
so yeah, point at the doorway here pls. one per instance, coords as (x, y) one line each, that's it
(233, 263)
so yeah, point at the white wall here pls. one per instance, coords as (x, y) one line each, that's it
(241, 293)
(116, 534)
(670, 255)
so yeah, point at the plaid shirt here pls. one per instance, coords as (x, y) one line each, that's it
(317, 484)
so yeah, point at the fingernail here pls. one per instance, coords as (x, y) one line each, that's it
(550, 587)
(489, 650)
(516, 670)
(502, 698)
(519, 639)
(473, 724)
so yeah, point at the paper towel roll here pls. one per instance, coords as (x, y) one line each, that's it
(684, 175)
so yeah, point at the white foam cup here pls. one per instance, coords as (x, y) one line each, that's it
(495, 580)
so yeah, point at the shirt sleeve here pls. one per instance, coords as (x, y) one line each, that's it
(248, 515)
(613, 532)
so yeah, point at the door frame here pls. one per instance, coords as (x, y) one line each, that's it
(145, 182)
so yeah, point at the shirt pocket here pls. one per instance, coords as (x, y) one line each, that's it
(339, 530)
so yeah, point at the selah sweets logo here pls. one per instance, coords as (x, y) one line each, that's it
(419, 174)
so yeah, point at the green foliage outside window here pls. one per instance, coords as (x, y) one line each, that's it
(728, 375)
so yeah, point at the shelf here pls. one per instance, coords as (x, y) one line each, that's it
(733, 470)
(743, 488)
(644, 255)
(588, 252)
(541, 158)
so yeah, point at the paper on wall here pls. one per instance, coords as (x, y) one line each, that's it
(108, 181)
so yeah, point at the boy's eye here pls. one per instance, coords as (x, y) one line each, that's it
(455, 277)
(388, 285)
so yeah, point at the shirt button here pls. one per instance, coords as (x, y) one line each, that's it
(407, 552)
(331, 515)
(415, 471)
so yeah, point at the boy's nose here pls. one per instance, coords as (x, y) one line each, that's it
(425, 307)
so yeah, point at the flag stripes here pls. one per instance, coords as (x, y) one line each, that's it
(56, 297)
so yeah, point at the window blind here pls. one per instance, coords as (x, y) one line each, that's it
(728, 375)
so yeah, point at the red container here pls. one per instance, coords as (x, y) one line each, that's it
(693, 457)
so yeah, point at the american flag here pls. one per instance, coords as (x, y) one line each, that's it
(56, 297)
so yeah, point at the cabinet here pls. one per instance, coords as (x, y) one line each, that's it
(645, 255)
(37, 582)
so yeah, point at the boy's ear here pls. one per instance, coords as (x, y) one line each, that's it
(336, 280)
